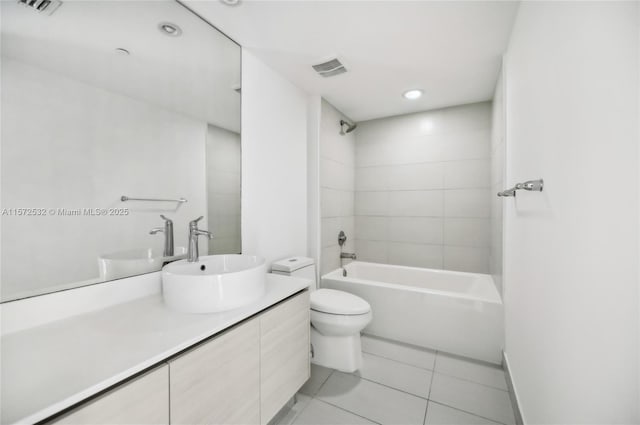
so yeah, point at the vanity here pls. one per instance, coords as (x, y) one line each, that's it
(137, 128)
(140, 362)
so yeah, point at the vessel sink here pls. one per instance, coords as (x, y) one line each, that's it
(214, 283)
(114, 265)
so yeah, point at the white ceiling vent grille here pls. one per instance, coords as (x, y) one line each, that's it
(330, 68)
(46, 7)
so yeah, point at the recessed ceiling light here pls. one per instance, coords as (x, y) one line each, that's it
(170, 29)
(230, 2)
(122, 52)
(412, 94)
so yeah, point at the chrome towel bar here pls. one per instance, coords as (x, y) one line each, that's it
(531, 185)
(124, 198)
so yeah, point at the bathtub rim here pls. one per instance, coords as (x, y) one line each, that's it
(337, 275)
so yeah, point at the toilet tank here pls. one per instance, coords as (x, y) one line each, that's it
(301, 267)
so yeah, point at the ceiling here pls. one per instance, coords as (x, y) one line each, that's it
(449, 49)
(195, 74)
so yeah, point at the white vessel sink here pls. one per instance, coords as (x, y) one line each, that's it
(132, 262)
(215, 283)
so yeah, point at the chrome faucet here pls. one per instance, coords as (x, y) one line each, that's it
(168, 236)
(194, 232)
(342, 238)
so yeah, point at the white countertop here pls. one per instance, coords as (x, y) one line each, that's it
(51, 367)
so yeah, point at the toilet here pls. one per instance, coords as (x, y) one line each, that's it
(337, 318)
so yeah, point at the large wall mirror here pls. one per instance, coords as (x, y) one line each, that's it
(105, 99)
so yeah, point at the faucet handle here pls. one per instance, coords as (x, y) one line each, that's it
(194, 223)
(165, 218)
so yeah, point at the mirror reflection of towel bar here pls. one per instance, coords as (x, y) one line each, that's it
(531, 185)
(124, 198)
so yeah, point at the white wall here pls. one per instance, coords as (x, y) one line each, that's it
(422, 189)
(497, 183)
(66, 144)
(336, 187)
(223, 189)
(571, 252)
(274, 163)
(314, 244)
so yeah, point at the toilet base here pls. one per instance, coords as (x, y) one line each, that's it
(343, 353)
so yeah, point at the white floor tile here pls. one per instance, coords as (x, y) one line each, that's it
(472, 397)
(321, 413)
(319, 375)
(291, 413)
(470, 370)
(373, 401)
(394, 374)
(437, 414)
(396, 351)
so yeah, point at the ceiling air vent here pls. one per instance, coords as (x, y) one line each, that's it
(330, 68)
(41, 6)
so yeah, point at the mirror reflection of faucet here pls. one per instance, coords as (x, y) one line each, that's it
(168, 235)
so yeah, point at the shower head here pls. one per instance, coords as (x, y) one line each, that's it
(350, 127)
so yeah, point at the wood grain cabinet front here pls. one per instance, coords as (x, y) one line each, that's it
(219, 381)
(143, 400)
(284, 353)
(244, 375)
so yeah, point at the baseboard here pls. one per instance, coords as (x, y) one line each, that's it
(513, 394)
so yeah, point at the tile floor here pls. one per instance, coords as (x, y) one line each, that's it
(402, 384)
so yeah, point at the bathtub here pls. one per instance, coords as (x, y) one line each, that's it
(455, 312)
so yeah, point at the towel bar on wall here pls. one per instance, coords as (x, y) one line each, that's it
(531, 185)
(124, 198)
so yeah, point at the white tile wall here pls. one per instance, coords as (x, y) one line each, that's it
(422, 203)
(223, 190)
(497, 184)
(337, 183)
(422, 189)
(423, 230)
(416, 255)
(467, 203)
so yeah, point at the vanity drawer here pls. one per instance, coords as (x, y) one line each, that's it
(143, 400)
(284, 353)
(219, 381)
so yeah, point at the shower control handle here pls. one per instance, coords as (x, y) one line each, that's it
(342, 238)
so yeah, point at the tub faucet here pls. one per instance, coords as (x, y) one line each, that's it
(194, 232)
(168, 236)
(348, 255)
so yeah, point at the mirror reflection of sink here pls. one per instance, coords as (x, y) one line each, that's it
(215, 283)
(115, 265)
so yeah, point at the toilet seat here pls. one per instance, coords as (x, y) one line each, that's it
(331, 301)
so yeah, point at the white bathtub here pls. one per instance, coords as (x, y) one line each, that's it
(456, 312)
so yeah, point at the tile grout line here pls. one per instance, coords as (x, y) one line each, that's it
(436, 353)
(323, 382)
(472, 382)
(395, 360)
(467, 412)
(388, 386)
(400, 164)
(348, 411)
(425, 189)
(433, 372)
(293, 419)
(382, 385)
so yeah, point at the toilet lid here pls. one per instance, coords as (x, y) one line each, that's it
(338, 302)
